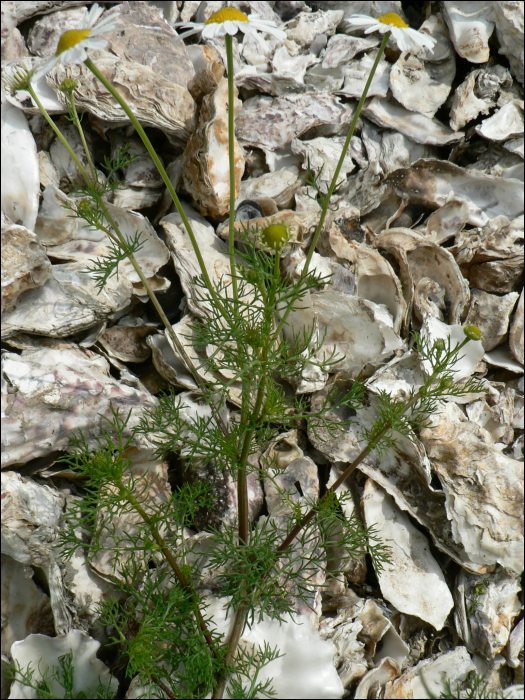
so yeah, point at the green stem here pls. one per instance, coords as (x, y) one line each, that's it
(82, 136)
(171, 561)
(333, 184)
(231, 154)
(145, 140)
(59, 135)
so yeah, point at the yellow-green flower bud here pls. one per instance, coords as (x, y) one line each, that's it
(439, 344)
(472, 332)
(68, 85)
(446, 383)
(275, 237)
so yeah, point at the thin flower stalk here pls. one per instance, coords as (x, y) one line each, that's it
(147, 143)
(116, 235)
(326, 201)
(231, 154)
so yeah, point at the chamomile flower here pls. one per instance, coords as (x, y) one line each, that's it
(406, 38)
(73, 44)
(230, 21)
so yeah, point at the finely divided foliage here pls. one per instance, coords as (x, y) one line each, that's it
(159, 624)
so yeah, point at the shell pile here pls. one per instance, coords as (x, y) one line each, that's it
(425, 233)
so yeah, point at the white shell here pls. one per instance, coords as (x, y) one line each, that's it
(412, 581)
(482, 494)
(421, 86)
(388, 114)
(41, 651)
(507, 122)
(470, 30)
(20, 169)
(306, 667)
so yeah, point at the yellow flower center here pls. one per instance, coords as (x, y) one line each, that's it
(275, 236)
(71, 38)
(227, 14)
(393, 19)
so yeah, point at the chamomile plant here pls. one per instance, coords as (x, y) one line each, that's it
(163, 630)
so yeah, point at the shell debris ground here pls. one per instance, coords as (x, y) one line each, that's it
(424, 232)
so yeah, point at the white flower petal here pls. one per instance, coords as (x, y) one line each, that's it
(93, 15)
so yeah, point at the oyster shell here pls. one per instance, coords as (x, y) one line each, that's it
(421, 86)
(422, 259)
(272, 123)
(506, 123)
(470, 29)
(88, 671)
(72, 238)
(486, 607)
(479, 482)
(391, 115)
(20, 169)
(491, 257)
(38, 387)
(205, 162)
(478, 93)
(509, 30)
(24, 263)
(516, 332)
(491, 314)
(412, 580)
(453, 665)
(31, 515)
(25, 607)
(305, 27)
(155, 100)
(431, 183)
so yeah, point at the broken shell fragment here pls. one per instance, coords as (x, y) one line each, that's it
(516, 332)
